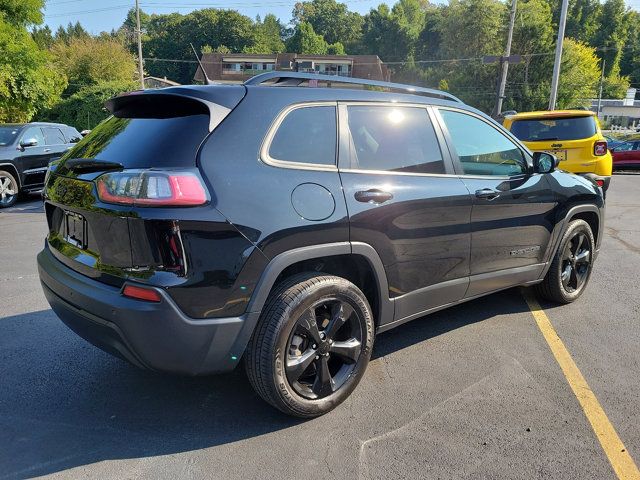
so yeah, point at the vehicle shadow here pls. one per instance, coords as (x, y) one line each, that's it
(27, 204)
(64, 403)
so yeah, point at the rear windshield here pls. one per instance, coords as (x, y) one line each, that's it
(144, 142)
(547, 129)
(8, 135)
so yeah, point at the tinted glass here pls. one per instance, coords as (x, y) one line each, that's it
(73, 136)
(482, 149)
(8, 135)
(53, 136)
(394, 139)
(33, 133)
(306, 135)
(541, 129)
(144, 142)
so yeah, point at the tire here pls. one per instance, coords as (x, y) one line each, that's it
(568, 260)
(9, 189)
(284, 341)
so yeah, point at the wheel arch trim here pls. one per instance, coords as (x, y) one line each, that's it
(571, 213)
(13, 171)
(285, 259)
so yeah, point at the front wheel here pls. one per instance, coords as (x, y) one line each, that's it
(571, 266)
(312, 344)
(8, 189)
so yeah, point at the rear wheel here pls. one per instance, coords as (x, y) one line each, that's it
(8, 189)
(572, 264)
(312, 344)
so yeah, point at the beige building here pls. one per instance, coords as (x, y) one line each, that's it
(238, 67)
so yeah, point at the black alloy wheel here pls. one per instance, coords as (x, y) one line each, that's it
(571, 266)
(312, 344)
(576, 262)
(324, 346)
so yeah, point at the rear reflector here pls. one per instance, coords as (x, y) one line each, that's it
(141, 293)
(600, 148)
(149, 188)
(600, 182)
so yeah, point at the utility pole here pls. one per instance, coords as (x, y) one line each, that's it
(604, 62)
(556, 65)
(505, 62)
(139, 32)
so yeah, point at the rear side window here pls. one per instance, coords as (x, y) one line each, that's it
(53, 136)
(550, 129)
(393, 139)
(306, 135)
(144, 142)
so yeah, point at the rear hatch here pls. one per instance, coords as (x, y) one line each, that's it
(572, 138)
(98, 196)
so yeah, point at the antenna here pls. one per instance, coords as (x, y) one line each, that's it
(207, 80)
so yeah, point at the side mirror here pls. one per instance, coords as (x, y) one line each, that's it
(28, 142)
(544, 162)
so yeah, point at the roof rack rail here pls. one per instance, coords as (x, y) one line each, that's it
(296, 78)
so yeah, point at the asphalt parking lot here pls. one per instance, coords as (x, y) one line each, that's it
(470, 392)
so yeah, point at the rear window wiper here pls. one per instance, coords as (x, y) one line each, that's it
(546, 139)
(87, 165)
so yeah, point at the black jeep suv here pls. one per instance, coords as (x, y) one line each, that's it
(285, 226)
(25, 153)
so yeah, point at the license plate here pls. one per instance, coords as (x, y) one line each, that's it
(76, 229)
(559, 154)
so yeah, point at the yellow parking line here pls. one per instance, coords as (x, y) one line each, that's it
(615, 450)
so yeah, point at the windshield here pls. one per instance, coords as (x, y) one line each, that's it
(8, 135)
(543, 129)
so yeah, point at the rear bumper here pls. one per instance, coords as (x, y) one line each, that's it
(156, 336)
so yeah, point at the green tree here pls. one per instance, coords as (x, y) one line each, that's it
(330, 19)
(583, 20)
(579, 74)
(42, 36)
(27, 81)
(305, 40)
(88, 61)
(630, 60)
(85, 108)
(611, 35)
(71, 32)
(267, 36)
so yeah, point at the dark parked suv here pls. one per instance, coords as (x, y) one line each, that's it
(25, 153)
(284, 226)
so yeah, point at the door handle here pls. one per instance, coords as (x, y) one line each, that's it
(487, 193)
(47, 150)
(373, 196)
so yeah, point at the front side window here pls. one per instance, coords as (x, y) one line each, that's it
(482, 149)
(393, 139)
(53, 136)
(33, 133)
(306, 135)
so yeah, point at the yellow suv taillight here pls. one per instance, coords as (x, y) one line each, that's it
(600, 148)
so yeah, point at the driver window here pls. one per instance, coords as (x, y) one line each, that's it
(482, 149)
(33, 133)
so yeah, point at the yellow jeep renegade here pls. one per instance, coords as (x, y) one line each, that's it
(573, 136)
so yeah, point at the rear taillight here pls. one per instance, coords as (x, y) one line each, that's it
(600, 148)
(149, 188)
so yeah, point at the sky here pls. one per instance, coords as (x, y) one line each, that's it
(103, 15)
